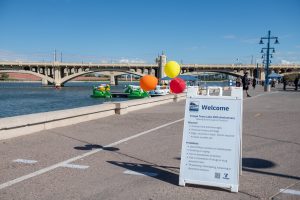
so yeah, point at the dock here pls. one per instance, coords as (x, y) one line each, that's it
(125, 95)
(119, 95)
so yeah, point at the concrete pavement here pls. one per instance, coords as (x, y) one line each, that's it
(137, 156)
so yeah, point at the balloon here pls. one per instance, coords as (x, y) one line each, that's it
(148, 82)
(172, 69)
(177, 85)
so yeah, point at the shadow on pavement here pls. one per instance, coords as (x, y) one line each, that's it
(271, 173)
(160, 174)
(257, 163)
(208, 187)
(95, 146)
(153, 170)
(249, 163)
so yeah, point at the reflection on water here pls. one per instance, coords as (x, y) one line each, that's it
(21, 98)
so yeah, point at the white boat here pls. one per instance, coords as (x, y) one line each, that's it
(160, 90)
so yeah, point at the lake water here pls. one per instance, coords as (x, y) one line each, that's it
(20, 98)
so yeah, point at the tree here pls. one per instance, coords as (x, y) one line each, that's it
(4, 76)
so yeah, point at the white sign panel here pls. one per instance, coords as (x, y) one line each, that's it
(211, 142)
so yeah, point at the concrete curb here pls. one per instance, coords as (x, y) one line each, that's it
(26, 124)
(11, 127)
(128, 106)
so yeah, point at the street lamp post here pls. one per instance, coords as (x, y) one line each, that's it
(267, 64)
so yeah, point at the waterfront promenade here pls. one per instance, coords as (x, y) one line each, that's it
(100, 159)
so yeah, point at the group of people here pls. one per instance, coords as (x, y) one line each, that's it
(285, 82)
(245, 82)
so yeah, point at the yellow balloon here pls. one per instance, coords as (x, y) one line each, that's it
(172, 69)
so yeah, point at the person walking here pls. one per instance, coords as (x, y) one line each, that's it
(246, 82)
(254, 83)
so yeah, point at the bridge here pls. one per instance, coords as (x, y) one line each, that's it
(58, 73)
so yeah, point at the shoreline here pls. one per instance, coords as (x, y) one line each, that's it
(20, 125)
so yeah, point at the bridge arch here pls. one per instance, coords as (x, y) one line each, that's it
(216, 71)
(42, 76)
(70, 77)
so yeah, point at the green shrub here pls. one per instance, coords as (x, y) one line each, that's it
(4, 76)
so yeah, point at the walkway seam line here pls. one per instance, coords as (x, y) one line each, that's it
(259, 95)
(60, 164)
(280, 191)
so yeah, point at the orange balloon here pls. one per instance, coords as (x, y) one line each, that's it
(148, 82)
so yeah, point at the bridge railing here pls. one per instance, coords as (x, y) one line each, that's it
(76, 64)
(90, 64)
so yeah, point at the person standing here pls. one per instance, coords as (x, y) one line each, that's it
(284, 82)
(238, 82)
(296, 82)
(272, 83)
(246, 82)
(254, 83)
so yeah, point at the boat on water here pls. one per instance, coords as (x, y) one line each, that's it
(101, 91)
(160, 90)
(135, 92)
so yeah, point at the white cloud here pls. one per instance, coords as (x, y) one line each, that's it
(287, 62)
(48, 57)
(251, 40)
(10, 55)
(6, 55)
(229, 37)
(292, 53)
(195, 48)
(104, 61)
(240, 39)
(284, 36)
(126, 60)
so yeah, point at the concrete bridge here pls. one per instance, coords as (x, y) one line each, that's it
(58, 73)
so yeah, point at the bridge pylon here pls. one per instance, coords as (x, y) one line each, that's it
(161, 60)
(57, 77)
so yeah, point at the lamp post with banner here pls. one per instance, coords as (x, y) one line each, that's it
(266, 56)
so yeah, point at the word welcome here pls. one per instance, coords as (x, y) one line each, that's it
(211, 107)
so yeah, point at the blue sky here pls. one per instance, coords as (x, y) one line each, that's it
(188, 31)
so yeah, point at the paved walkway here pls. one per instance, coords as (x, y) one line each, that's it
(101, 159)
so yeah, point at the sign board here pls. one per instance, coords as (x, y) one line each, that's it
(211, 144)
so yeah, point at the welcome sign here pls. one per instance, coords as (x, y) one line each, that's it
(211, 142)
